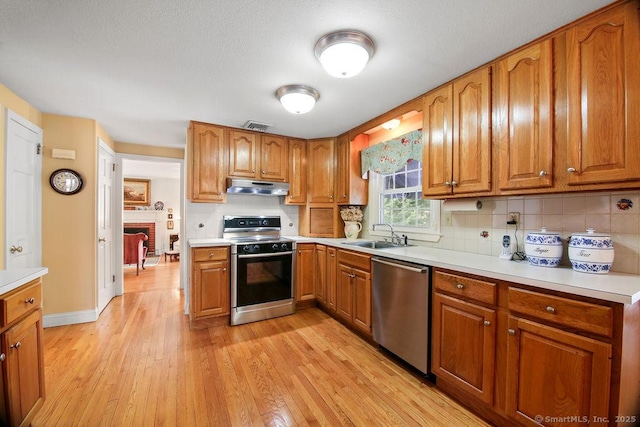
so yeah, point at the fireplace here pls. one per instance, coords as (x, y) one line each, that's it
(148, 228)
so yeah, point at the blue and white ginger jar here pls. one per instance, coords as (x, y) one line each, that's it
(591, 252)
(543, 248)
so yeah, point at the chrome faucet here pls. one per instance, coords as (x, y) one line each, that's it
(395, 239)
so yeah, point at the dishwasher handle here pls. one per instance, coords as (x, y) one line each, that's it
(402, 266)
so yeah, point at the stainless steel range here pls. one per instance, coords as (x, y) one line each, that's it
(262, 268)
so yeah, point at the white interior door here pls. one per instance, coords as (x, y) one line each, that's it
(106, 248)
(23, 204)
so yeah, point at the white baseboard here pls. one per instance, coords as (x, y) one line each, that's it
(61, 319)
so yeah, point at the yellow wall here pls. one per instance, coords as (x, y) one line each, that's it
(10, 100)
(149, 150)
(69, 222)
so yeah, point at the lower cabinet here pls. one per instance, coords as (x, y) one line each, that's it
(22, 355)
(210, 283)
(305, 273)
(353, 301)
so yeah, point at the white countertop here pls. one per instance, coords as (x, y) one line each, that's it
(615, 287)
(12, 279)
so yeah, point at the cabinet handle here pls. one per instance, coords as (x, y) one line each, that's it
(571, 170)
(29, 301)
(454, 183)
(16, 345)
(511, 331)
(551, 309)
(2, 357)
(344, 195)
(253, 171)
(447, 184)
(543, 174)
(486, 323)
(331, 196)
(460, 286)
(211, 255)
(263, 172)
(224, 269)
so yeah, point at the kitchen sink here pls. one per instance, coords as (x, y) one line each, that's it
(374, 245)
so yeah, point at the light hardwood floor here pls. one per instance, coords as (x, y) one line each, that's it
(140, 365)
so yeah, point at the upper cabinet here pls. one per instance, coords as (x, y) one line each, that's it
(206, 154)
(524, 114)
(603, 99)
(257, 156)
(457, 137)
(321, 170)
(351, 189)
(297, 172)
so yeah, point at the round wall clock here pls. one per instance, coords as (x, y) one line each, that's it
(66, 181)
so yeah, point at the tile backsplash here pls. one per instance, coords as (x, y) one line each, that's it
(615, 213)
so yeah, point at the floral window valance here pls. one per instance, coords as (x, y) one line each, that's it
(389, 156)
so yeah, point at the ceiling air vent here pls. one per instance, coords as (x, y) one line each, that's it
(257, 126)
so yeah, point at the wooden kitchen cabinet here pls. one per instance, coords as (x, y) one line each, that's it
(206, 156)
(210, 283)
(297, 172)
(22, 355)
(603, 100)
(351, 189)
(524, 114)
(353, 289)
(256, 156)
(331, 278)
(457, 137)
(321, 170)
(464, 334)
(321, 274)
(305, 273)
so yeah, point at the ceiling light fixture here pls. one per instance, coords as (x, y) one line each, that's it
(391, 124)
(297, 99)
(344, 53)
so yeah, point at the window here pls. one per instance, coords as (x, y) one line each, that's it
(397, 200)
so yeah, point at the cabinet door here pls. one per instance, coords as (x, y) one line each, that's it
(437, 139)
(555, 373)
(242, 154)
(207, 153)
(305, 262)
(332, 274)
(463, 345)
(321, 274)
(24, 368)
(344, 300)
(471, 132)
(342, 169)
(525, 117)
(603, 97)
(273, 158)
(321, 167)
(362, 300)
(297, 172)
(211, 289)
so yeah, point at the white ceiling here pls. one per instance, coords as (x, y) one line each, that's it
(144, 68)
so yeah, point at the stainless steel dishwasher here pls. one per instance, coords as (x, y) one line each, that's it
(401, 310)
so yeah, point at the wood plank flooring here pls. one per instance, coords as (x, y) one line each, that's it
(140, 365)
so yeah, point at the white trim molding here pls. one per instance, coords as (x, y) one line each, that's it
(71, 318)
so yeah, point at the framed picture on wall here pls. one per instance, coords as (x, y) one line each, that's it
(169, 225)
(137, 192)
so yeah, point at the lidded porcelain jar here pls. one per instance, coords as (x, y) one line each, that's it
(591, 252)
(543, 248)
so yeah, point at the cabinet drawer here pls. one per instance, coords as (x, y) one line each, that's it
(19, 301)
(210, 254)
(355, 259)
(574, 314)
(475, 289)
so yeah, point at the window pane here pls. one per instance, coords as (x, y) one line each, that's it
(413, 179)
(388, 182)
(414, 165)
(400, 180)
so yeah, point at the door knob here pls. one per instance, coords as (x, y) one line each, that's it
(102, 239)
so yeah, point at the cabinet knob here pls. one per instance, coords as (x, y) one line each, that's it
(263, 172)
(29, 301)
(2, 357)
(16, 345)
(331, 196)
(543, 174)
(344, 195)
(454, 183)
(447, 184)
(486, 323)
(224, 269)
(15, 249)
(511, 332)
(551, 309)
(253, 171)
(460, 286)
(211, 255)
(571, 170)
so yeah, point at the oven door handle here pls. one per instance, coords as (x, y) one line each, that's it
(265, 255)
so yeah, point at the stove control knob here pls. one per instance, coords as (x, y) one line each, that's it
(284, 246)
(256, 248)
(274, 247)
(265, 222)
(246, 248)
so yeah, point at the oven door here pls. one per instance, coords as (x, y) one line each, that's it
(261, 278)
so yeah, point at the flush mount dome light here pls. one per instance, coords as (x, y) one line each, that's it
(344, 53)
(391, 124)
(297, 99)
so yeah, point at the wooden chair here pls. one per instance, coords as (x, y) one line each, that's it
(134, 250)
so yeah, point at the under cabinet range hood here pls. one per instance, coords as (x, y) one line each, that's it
(258, 188)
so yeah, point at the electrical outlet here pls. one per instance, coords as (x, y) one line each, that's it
(514, 216)
(447, 219)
